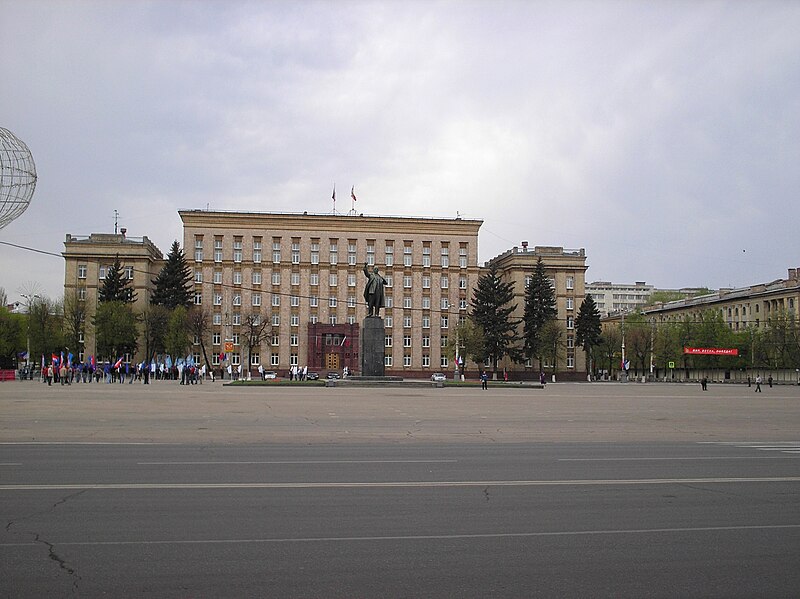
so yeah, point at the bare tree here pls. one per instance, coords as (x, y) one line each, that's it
(74, 319)
(198, 323)
(255, 329)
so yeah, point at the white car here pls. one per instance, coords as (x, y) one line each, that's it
(270, 375)
(438, 377)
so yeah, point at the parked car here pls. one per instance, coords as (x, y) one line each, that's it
(270, 375)
(332, 375)
(312, 376)
(438, 377)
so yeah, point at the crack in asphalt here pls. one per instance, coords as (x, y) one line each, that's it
(51, 548)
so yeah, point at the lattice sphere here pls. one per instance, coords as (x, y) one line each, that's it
(17, 177)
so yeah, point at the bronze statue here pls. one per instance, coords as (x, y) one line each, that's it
(373, 291)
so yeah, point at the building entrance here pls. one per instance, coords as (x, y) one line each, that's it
(332, 361)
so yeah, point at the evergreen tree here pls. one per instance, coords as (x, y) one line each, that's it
(115, 287)
(588, 329)
(491, 311)
(540, 308)
(172, 285)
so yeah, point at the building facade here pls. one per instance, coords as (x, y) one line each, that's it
(567, 271)
(304, 273)
(87, 259)
(740, 308)
(619, 297)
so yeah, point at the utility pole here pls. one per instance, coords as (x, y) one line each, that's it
(29, 297)
(625, 372)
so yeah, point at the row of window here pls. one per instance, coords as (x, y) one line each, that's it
(569, 282)
(333, 279)
(102, 271)
(333, 252)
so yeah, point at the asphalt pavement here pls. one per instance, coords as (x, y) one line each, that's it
(599, 490)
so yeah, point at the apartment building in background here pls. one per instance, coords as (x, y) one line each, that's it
(566, 270)
(87, 259)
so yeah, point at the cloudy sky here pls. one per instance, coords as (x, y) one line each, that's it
(662, 137)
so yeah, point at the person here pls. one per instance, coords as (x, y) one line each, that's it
(769, 381)
(542, 380)
(305, 373)
(50, 375)
(749, 384)
(704, 384)
(373, 291)
(484, 380)
(758, 384)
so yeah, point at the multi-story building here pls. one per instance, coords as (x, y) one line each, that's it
(304, 273)
(618, 297)
(87, 260)
(740, 308)
(566, 270)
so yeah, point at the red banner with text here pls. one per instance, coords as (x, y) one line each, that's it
(711, 351)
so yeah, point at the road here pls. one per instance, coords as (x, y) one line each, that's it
(579, 490)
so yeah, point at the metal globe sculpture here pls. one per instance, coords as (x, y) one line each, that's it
(17, 177)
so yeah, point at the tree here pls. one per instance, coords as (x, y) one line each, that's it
(540, 308)
(115, 329)
(588, 328)
(172, 285)
(197, 321)
(154, 321)
(12, 337)
(552, 341)
(610, 346)
(116, 288)
(74, 319)
(255, 329)
(471, 342)
(45, 326)
(491, 310)
(176, 339)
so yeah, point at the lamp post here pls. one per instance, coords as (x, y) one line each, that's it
(29, 297)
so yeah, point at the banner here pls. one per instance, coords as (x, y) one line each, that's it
(711, 351)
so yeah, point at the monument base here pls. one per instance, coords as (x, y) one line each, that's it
(373, 341)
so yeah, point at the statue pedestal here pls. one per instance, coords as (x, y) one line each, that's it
(373, 337)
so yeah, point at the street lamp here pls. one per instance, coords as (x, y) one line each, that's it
(30, 298)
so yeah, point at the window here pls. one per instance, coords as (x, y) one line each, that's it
(237, 249)
(274, 360)
(426, 282)
(406, 282)
(216, 318)
(236, 358)
(235, 338)
(215, 359)
(295, 280)
(294, 320)
(444, 282)
(276, 320)
(82, 294)
(128, 273)
(295, 252)
(333, 279)
(236, 319)
(237, 299)
(462, 303)
(315, 252)
(276, 340)
(570, 341)
(407, 360)
(388, 322)
(294, 360)
(314, 301)
(256, 299)
(389, 281)
(351, 280)
(570, 322)
(198, 275)
(443, 362)
(101, 273)
(237, 277)
(257, 250)
(462, 282)
(332, 302)
(313, 279)
(570, 361)
(217, 277)
(351, 301)
(426, 360)
(445, 304)
(462, 257)
(371, 253)
(276, 251)
(426, 256)
(406, 322)
(256, 277)
(82, 271)
(215, 338)
(445, 256)
(276, 300)
(255, 359)
(406, 340)
(218, 250)
(198, 298)
(333, 319)
(334, 251)
(407, 302)
(426, 341)
(387, 360)
(389, 301)
(426, 322)
(276, 278)
(570, 303)
(389, 256)
(217, 299)
(445, 321)
(426, 303)
(387, 341)
(351, 253)
(294, 301)
(570, 282)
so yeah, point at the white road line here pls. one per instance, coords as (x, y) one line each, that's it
(397, 484)
(719, 457)
(441, 537)
(11, 464)
(82, 443)
(279, 462)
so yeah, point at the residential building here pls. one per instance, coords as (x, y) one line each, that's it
(566, 270)
(87, 260)
(618, 297)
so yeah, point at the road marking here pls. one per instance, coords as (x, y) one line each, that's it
(11, 464)
(791, 447)
(748, 457)
(398, 484)
(301, 462)
(82, 443)
(441, 537)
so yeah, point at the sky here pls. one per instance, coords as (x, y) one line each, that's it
(663, 137)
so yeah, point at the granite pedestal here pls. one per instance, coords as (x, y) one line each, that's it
(373, 337)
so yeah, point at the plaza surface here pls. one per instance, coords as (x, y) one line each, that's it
(215, 413)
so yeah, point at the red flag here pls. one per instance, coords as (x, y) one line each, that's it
(352, 193)
(118, 363)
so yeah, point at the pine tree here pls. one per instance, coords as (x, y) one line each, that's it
(492, 310)
(540, 308)
(116, 288)
(172, 285)
(587, 327)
